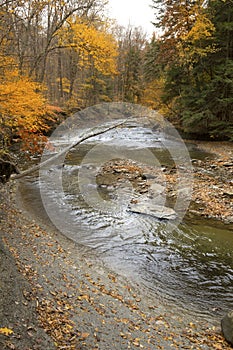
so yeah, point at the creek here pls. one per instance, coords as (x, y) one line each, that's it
(190, 266)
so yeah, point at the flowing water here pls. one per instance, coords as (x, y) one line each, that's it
(191, 266)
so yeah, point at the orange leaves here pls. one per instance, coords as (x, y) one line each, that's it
(20, 101)
(202, 29)
(188, 27)
(210, 197)
(152, 95)
(23, 110)
(83, 336)
(32, 142)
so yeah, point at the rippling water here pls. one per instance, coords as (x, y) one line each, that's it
(190, 266)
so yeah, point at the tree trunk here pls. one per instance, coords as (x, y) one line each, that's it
(93, 132)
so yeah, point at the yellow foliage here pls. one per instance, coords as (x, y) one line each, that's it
(96, 48)
(20, 104)
(191, 47)
(202, 29)
(23, 110)
(152, 94)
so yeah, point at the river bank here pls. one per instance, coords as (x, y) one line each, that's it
(213, 182)
(54, 297)
(212, 190)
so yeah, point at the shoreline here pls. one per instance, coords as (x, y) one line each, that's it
(212, 189)
(66, 301)
(213, 183)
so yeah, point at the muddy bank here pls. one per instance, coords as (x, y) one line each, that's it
(65, 301)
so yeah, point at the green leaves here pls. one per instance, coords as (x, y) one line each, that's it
(199, 64)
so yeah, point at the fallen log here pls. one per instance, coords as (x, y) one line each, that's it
(94, 132)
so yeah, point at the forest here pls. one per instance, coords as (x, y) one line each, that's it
(61, 56)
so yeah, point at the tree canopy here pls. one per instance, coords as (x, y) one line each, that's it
(68, 54)
(198, 66)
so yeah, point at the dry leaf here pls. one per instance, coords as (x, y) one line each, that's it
(84, 335)
(6, 331)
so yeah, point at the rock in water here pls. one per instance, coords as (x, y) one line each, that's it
(160, 212)
(227, 327)
(156, 189)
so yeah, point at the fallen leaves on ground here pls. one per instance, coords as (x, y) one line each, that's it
(6, 331)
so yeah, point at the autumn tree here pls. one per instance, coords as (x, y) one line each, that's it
(34, 25)
(23, 110)
(198, 59)
(207, 99)
(175, 19)
(91, 53)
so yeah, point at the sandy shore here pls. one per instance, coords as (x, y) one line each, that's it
(54, 298)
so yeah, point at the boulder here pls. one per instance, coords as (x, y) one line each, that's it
(227, 326)
(156, 189)
(159, 212)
